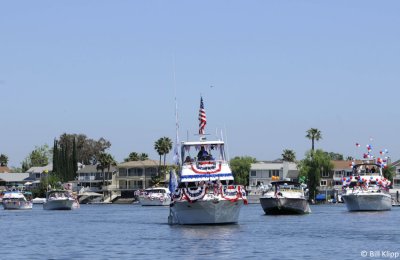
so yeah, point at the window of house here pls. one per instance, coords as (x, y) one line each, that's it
(273, 173)
(253, 173)
(37, 175)
(122, 172)
(325, 174)
(323, 183)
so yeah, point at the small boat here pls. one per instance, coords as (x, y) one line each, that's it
(39, 200)
(285, 197)
(16, 200)
(205, 193)
(366, 189)
(157, 196)
(59, 200)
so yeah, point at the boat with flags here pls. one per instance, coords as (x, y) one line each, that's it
(367, 189)
(205, 192)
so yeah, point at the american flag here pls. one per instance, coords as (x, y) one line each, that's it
(202, 118)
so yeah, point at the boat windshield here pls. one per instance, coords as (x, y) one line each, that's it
(286, 187)
(202, 152)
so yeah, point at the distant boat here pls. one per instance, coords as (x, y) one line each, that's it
(58, 200)
(157, 196)
(285, 197)
(16, 200)
(367, 189)
(39, 200)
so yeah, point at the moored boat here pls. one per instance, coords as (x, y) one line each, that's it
(285, 197)
(156, 196)
(59, 200)
(16, 200)
(367, 189)
(205, 193)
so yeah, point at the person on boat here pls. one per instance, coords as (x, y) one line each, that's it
(188, 159)
(203, 154)
(373, 170)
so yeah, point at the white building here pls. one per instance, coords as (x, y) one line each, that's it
(262, 172)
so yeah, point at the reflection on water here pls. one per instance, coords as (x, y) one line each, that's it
(132, 231)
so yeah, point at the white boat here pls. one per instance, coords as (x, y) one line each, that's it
(285, 197)
(366, 189)
(16, 200)
(205, 193)
(59, 200)
(157, 196)
(39, 200)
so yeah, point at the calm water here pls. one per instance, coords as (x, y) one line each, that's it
(135, 232)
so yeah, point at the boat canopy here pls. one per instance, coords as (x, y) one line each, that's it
(204, 161)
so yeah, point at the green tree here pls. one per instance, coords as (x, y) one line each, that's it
(289, 155)
(241, 167)
(389, 172)
(349, 158)
(155, 180)
(335, 156)
(134, 156)
(3, 160)
(314, 135)
(87, 149)
(163, 146)
(312, 167)
(105, 161)
(38, 157)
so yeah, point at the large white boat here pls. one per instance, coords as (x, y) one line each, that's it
(366, 189)
(59, 200)
(205, 193)
(16, 200)
(285, 197)
(156, 196)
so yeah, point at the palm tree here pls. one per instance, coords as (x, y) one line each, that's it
(105, 160)
(143, 156)
(163, 146)
(288, 155)
(133, 156)
(3, 160)
(314, 135)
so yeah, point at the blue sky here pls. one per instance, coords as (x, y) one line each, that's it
(105, 69)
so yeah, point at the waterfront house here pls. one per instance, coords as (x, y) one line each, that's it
(396, 178)
(9, 180)
(90, 177)
(135, 175)
(261, 173)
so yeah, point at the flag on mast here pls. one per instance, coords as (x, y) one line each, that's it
(202, 118)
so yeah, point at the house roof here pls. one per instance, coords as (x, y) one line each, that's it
(14, 177)
(344, 165)
(93, 168)
(139, 164)
(4, 169)
(48, 167)
(267, 166)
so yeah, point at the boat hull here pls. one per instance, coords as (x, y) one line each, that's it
(21, 205)
(206, 212)
(285, 205)
(368, 201)
(66, 204)
(154, 202)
